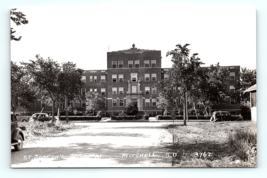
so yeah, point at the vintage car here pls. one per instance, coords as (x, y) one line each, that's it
(17, 135)
(224, 116)
(42, 117)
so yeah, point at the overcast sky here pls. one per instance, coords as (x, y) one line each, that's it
(84, 34)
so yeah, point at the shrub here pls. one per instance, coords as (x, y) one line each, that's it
(131, 108)
(122, 114)
(146, 116)
(99, 114)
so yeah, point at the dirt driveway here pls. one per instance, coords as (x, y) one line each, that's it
(100, 145)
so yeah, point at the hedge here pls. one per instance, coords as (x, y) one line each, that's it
(125, 118)
(168, 117)
(82, 118)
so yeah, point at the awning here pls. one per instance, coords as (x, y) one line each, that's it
(252, 88)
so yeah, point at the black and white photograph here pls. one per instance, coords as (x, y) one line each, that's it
(149, 86)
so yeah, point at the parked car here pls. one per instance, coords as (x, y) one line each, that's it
(224, 116)
(17, 135)
(23, 118)
(42, 117)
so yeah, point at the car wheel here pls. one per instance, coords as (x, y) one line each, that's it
(24, 120)
(19, 146)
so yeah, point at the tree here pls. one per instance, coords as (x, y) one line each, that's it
(185, 73)
(131, 108)
(18, 18)
(211, 88)
(248, 78)
(69, 80)
(94, 101)
(55, 82)
(165, 99)
(21, 92)
(45, 75)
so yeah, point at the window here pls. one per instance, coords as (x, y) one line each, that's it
(103, 78)
(103, 91)
(232, 75)
(120, 64)
(130, 64)
(232, 89)
(146, 63)
(114, 102)
(114, 90)
(133, 77)
(147, 77)
(114, 77)
(95, 78)
(91, 78)
(153, 63)
(179, 89)
(95, 90)
(147, 90)
(121, 102)
(134, 89)
(154, 90)
(154, 101)
(114, 64)
(120, 77)
(83, 91)
(77, 101)
(121, 90)
(147, 102)
(153, 77)
(84, 79)
(137, 63)
(166, 76)
(91, 89)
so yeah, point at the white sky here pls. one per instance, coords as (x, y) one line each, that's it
(82, 34)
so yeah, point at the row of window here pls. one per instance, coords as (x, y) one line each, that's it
(134, 64)
(147, 77)
(120, 90)
(120, 102)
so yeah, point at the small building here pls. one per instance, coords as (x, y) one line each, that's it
(253, 101)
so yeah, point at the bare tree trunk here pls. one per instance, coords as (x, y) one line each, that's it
(186, 107)
(53, 114)
(184, 117)
(66, 107)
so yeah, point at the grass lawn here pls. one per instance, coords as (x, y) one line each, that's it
(219, 144)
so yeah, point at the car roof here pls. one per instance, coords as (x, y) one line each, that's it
(221, 112)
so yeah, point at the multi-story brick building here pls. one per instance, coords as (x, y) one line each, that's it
(131, 76)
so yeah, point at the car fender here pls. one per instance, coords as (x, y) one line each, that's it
(22, 135)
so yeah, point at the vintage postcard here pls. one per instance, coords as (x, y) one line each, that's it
(133, 86)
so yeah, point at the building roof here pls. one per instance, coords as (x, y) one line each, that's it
(133, 50)
(252, 88)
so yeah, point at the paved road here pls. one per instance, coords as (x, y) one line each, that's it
(101, 145)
